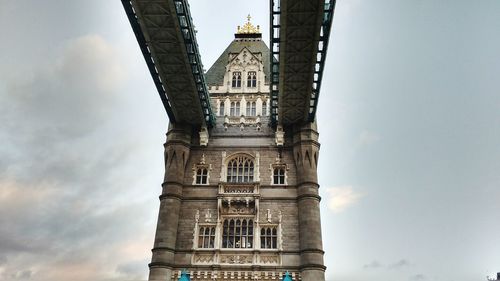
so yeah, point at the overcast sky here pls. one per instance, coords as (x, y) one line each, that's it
(409, 122)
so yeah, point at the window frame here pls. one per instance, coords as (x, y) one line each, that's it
(232, 233)
(251, 79)
(236, 79)
(269, 239)
(279, 175)
(221, 108)
(200, 177)
(206, 240)
(240, 169)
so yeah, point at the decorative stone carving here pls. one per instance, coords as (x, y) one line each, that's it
(208, 216)
(204, 258)
(197, 216)
(203, 136)
(236, 259)
(280, 136)
(268, 215)
(269, 259)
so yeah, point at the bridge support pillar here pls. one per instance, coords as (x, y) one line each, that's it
(306, 152)
(177, 149)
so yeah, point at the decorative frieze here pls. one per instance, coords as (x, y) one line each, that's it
(236, 259)
(236, 275)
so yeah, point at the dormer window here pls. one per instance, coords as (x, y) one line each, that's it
(252, 79)
(236, 79)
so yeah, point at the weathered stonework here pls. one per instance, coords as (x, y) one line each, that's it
(242, 223)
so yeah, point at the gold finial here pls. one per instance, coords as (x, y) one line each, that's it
(248, 27)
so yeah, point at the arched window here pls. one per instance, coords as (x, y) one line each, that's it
(240, 169)
(252, 79)
(221, 109)
(264, 108)
(268, 238)
(251, 108)
(235, 109)
(279, 176)
(206, 237)
(201, 176)
(237, 233)
(236, 83)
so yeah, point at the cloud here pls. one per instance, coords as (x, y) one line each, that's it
(401, 263)
(71, 202)
(418, 277)
(367, 138)
(373, 264)
(340, 198)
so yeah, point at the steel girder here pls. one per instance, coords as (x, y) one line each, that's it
(166, 36)
(299, 39)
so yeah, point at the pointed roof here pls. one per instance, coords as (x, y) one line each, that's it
(215, 75)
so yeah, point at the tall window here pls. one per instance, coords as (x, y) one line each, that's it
(251, 108)
(268, 238)
(236, 79)
(237, 233)
(206, 237)
(264, 108)
(279, 176)
(252, 79)
(221, 109)
(240, 169)
(201, 176)
(234, 110)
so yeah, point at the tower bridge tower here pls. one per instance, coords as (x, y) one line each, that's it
(240, 200)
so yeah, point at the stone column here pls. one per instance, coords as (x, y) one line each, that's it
(306, 152)
(177, 148)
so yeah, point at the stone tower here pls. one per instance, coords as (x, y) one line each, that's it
(240, 200)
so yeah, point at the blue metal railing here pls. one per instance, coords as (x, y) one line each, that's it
(275, 65)
(188, 33)
(321, 56)
(132, 17)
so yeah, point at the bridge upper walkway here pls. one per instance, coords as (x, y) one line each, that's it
(300, 31)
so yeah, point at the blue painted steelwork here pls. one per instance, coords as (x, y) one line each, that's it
(287, 277)
(188, 33)
(275, 65)
(132, 17)
(185, 276)
(321, 56)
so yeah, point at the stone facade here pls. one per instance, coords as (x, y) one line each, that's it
(239, 205)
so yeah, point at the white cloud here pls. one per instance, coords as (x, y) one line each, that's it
(341, 197)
